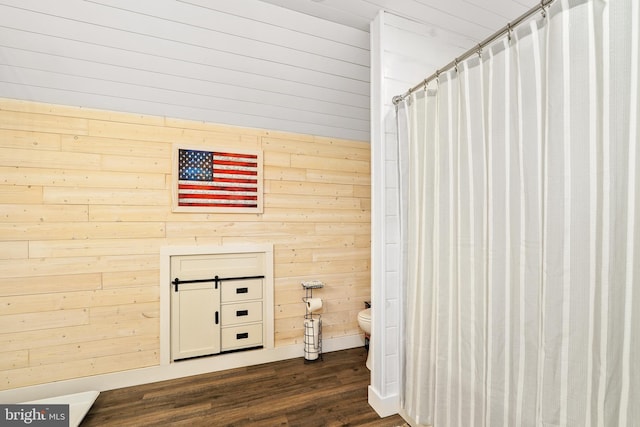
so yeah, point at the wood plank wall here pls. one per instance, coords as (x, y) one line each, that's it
(85, 205)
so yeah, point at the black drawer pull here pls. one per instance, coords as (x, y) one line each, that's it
(243, 335)
(242, 313)
(242, 290)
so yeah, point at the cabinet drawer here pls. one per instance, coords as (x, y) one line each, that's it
(241, 290)
(241, 336)
(243, 312)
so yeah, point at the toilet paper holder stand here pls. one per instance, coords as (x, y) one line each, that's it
(312, 345)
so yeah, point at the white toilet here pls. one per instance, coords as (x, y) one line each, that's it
(364, 320)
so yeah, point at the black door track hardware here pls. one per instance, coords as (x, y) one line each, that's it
(176, 282)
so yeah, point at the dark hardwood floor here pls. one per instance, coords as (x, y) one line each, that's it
(331, 392)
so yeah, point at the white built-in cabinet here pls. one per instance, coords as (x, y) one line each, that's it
(217, 303)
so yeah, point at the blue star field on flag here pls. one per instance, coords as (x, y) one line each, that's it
(195, 165)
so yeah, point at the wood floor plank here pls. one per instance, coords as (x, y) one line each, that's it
(331, 392)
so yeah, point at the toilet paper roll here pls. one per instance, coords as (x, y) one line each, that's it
(314, 304)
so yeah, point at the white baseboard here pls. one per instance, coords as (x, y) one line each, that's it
(384, 406)
(180, 369)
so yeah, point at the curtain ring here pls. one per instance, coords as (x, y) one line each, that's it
(509, 29)
(542, 9)
(455, 65)
(479, 51)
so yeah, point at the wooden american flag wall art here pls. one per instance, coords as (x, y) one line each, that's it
(217, 180)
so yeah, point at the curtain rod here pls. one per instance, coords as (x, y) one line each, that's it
(478, 49)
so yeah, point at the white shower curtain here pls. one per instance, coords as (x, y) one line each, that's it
(520, 218)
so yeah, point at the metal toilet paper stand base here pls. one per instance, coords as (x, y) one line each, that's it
(312, 325)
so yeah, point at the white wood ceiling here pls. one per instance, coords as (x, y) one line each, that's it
(268, 64)
(471, 19)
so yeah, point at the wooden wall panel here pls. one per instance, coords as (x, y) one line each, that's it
(44, 320)
(79, 334)
(85, 206)
(38, 374)
(77, 178)
(78, 230)
(21, 194)
(43, 213)
(123, 279)
(14, 250)
(30, 285)
(14, 359)
(22, 139)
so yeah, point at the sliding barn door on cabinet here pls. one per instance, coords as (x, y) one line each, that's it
(195, 308)
(196, 320)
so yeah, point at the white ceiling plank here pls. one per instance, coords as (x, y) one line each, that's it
(468, 12)
(239, 26)
(87, 21)
(28, 62)
(437, 17)
(39, 94)
(175, 70)
(359, 20)
(507, 10)
(128, 91)
(475, 19)
(288, 17)
(115, 48)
